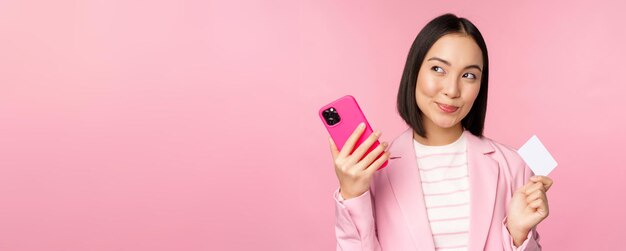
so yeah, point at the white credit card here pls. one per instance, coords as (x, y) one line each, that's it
(537, 156)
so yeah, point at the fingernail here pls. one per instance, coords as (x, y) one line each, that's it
(362, 125)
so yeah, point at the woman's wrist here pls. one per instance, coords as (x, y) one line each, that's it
(347, 196)
(518, 235)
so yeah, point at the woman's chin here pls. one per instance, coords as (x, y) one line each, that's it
(442, 121)
(446, 124)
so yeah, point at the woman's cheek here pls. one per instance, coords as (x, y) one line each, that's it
(429, 87)
(472, 94)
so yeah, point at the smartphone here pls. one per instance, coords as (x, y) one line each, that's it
(341, 117)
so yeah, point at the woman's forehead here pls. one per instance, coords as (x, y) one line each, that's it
(458, 49)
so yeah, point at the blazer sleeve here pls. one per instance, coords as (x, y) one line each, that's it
(355, 228)
(532, 240)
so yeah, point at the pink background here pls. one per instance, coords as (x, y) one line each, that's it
(192, 125)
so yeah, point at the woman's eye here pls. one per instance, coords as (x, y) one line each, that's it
(437, 69)
(469, 75)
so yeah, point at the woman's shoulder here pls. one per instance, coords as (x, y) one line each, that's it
(507, 156)
(502, 147)
(485, 143)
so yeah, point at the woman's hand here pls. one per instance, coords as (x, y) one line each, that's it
(354, 173)
(528, 207)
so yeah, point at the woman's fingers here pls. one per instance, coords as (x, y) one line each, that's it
(535, 195)
(534, 186)
(379, 162)
(371, 156)
(354, 137)
(535, 204)
(525, 187)
(545, 180)
(541, 205)
(362, 149)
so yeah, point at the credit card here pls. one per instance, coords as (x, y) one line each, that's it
(537, 156)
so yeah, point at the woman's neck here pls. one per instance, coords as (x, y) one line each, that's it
(437, 136)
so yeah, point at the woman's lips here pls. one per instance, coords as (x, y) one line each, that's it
(447, 108)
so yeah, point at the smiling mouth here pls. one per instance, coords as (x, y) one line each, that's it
(447, 108)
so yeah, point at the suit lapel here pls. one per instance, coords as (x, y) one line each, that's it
(407, 187)
(483, 179)
(406, 184)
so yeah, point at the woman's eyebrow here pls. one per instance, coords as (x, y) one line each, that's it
(448, 63)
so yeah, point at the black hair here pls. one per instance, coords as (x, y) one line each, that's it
(445, 24)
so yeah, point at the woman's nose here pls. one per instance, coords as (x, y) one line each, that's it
(451, 88)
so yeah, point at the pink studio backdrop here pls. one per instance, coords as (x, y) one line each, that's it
(192, 125)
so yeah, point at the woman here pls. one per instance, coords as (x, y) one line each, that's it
(446, 187)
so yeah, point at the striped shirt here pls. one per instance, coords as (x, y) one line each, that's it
(445, 183)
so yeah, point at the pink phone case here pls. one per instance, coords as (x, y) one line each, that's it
(349, 117)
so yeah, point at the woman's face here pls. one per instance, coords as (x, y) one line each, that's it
(449, 80)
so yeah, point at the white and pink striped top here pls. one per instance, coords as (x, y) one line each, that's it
(444, 175)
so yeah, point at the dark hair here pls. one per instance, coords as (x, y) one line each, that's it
(435, 29)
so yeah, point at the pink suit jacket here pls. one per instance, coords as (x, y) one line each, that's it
(392, 214)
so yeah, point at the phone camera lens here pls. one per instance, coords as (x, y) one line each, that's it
(331, 116)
